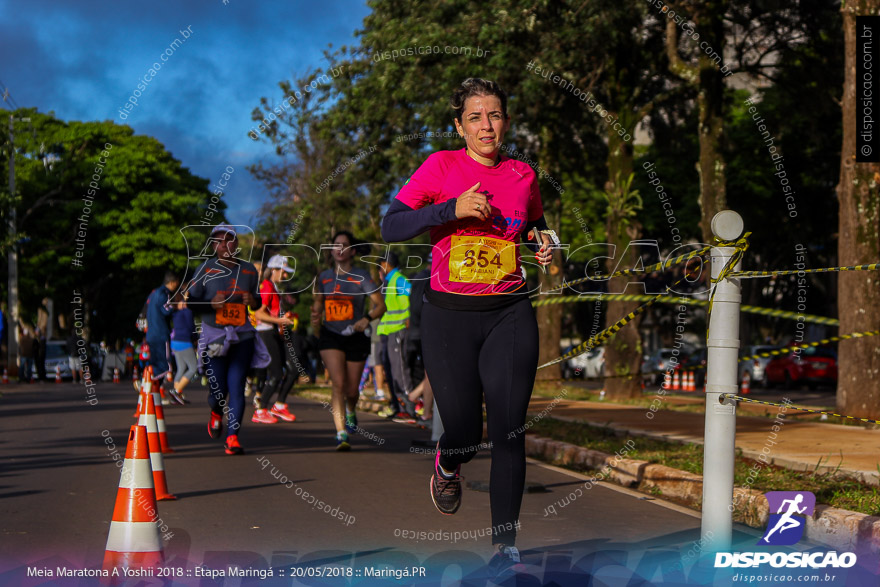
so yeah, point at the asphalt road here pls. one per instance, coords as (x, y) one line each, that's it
(58, 484)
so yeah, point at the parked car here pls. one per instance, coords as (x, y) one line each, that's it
(654, 364)
(755, 367)
(588, 364)
(813, 366)
(56, 355)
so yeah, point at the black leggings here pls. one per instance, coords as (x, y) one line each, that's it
(276, 378)
(468, 354)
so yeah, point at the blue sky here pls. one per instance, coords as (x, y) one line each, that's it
(82, 60)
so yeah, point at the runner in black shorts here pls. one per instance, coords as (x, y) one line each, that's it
(340, 295)
(479, 333)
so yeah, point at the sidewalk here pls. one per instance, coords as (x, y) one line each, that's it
(852, 451)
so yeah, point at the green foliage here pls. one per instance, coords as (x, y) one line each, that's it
(95, 193)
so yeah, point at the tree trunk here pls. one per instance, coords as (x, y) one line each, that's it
(858, 393)
(709, 82)
(550, 317)
(623, 352)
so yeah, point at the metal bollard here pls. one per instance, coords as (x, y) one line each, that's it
(720, 430)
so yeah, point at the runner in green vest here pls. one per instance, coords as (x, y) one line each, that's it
(393, 326)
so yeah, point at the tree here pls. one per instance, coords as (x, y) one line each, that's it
(859, 224)
(117, 202)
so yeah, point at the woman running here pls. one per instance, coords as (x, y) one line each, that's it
(268, 317)
(229, 285)
(479, 333)
(182, 347)
(340, 295)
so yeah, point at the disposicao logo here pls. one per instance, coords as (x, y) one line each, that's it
(784, 528)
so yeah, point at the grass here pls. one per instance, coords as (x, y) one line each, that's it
(829, 488)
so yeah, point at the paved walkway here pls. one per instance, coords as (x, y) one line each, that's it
(798, 445)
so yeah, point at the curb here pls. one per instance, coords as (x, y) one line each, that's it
(836, 528)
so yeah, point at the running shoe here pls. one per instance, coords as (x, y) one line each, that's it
(232, 447)
(262, 416)
(505, 564)
(258, 398)
(404, 418)
(386, 412)
(426, 423)
(215, 425)
(445, 492)
(176, 397)
(204, 381)
(342, 442)
(282, 413)
(420, 408)
(351, 422)
(247, 387)
(380, 396)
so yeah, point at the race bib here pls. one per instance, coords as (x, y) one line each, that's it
(338, 309)
(480, 259)
(231, 315)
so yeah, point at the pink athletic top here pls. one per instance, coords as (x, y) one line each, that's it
(472, 256)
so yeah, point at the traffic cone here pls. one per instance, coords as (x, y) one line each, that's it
(676, 380)
(667, 381)
(57, 374)
(134, 373)
(746, 383)
(145, 386)
(134, 540)
(689, 381)
(160, 424)
(5, 377)
(148, 419)
(115, 375)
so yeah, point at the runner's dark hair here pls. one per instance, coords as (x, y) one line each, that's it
(476, 86)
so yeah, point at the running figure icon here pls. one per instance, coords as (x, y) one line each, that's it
(786, 520)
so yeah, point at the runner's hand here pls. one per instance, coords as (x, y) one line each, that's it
(361, 325)
(472, 204)
(248, 300)
(545, 253)
(218, 300)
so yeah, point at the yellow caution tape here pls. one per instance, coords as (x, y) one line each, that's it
(790, 407)
(662, 266)
(664, 299)
(871, 267)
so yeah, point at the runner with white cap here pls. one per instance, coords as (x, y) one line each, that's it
(268, 317)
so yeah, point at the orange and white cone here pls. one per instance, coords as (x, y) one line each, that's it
(676, 380)
(115, 375)
(57, 374)
(160, 424)
(691, 383)
(148, 419)
(134, 540)
(144, 387)
(134, 373)
(746, 383)
(667, 381)
(5, 377)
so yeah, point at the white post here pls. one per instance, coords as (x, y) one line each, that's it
(720, 432)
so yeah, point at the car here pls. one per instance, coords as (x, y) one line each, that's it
(812, 366)
(588, 364)
(56, 355)
(575, 366)
(654, 364)
(754, 367)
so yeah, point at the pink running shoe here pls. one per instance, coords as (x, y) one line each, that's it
(282, 413)
(263, 417)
